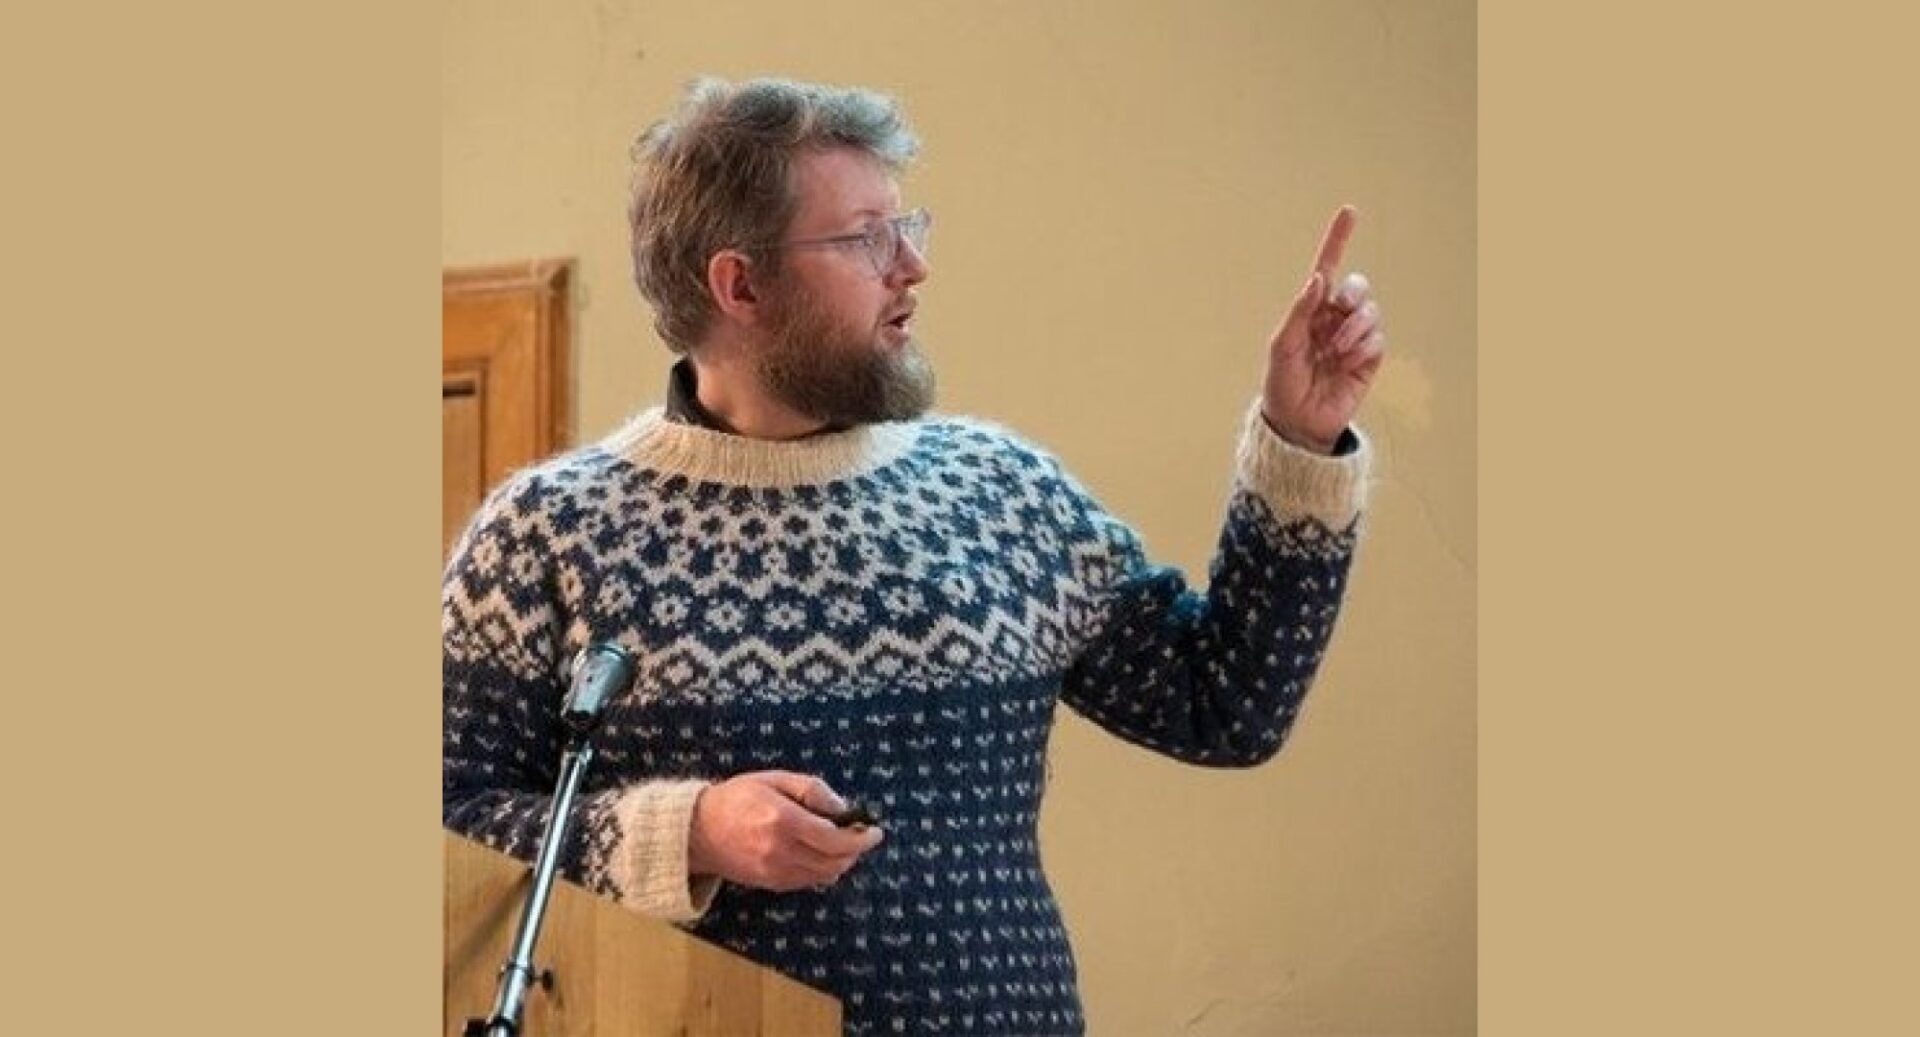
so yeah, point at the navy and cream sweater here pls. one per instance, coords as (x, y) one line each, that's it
(898, 609)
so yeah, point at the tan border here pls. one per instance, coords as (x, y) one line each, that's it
(1698, 513)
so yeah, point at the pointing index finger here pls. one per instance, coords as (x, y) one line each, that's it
(1334, 246)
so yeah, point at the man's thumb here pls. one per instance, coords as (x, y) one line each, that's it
(808, 791)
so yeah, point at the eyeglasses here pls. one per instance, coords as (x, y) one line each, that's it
(881, 239)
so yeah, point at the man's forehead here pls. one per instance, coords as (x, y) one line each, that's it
(841, 186)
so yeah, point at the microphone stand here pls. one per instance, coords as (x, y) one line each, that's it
(601, 671)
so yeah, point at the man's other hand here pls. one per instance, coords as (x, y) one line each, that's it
(765, 829)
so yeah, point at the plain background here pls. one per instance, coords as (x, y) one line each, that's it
(1695, 660)
(1126, 197)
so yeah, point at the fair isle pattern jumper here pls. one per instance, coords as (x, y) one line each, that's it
(896, 608)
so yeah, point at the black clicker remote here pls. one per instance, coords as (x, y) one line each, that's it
(855, 816)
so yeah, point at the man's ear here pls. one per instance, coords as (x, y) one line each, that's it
(730, 283)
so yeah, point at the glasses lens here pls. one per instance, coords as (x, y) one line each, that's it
(883, 246)
(913, 227)
(883, 239)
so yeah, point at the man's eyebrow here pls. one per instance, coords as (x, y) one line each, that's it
(865, 216)
(858, 222)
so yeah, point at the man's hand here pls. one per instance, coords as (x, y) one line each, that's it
(764, 830)
(1324, 355)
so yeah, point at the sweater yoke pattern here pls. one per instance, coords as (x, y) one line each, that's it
(898, 609)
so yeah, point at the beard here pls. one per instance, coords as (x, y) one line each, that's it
(831, 371)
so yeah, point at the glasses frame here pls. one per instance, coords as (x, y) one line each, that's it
(901, 229)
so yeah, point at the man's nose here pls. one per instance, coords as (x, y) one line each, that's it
(910, 267)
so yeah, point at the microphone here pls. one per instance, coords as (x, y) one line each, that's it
(601, 672)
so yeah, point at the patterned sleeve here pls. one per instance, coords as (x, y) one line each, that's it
(502, 684)
(1217, 678)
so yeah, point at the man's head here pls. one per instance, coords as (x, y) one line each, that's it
(769, 210)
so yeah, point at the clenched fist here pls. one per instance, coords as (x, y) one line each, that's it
(764, 829)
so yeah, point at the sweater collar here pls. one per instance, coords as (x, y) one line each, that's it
(683, 438)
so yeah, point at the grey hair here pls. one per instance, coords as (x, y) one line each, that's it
(716, 174)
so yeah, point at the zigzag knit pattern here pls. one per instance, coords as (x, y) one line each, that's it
(897, 609)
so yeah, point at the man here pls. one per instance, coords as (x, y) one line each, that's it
(834, 598)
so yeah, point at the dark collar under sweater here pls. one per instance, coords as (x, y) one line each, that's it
(684, 406)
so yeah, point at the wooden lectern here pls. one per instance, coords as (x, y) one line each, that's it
(616, 973)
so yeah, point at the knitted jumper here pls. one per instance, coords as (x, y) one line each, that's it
(895, 608)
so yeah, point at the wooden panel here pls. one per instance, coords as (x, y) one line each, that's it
(506, 330)
(615, 972)
(462, 481)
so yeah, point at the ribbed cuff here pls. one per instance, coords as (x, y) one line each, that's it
(1296, 482)
(649, 865)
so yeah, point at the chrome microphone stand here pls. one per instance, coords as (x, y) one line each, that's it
(600, 672)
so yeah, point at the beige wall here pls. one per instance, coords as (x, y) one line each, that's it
(1127, 193)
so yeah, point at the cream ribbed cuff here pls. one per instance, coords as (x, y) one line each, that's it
(1296, 482)
(649, 865)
